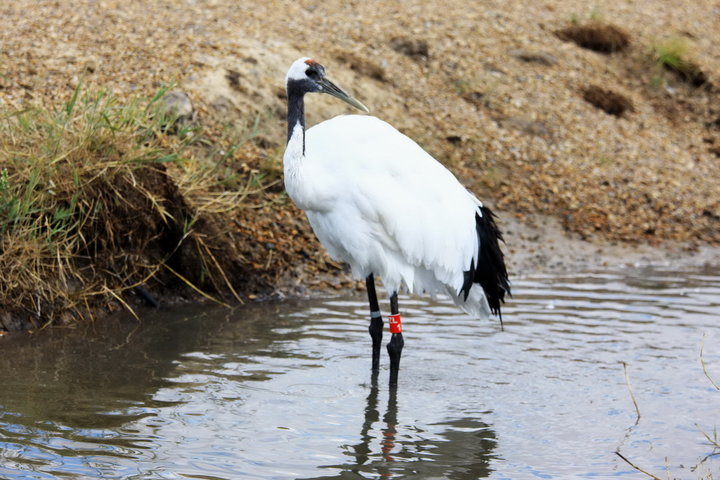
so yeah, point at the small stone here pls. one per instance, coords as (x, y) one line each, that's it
(543, 58)
(177, 108)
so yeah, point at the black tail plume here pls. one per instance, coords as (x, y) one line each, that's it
(490, 271)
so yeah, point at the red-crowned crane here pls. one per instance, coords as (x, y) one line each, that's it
(378, 201)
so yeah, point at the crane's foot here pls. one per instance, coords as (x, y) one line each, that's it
(376, 332)
(394, 348)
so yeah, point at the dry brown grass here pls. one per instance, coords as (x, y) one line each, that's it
(95, 200)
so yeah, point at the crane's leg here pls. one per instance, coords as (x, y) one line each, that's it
(376, 322)
(396, 344)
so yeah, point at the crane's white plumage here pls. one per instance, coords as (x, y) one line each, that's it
(378, 201)
(386, 206)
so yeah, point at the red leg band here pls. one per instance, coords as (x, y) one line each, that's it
(395, 323)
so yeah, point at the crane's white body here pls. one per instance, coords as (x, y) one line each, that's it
(378, 201)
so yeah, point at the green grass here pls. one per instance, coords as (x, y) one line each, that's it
(672, 52)
(96, 197)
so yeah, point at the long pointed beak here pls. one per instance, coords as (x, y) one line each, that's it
(331, 89)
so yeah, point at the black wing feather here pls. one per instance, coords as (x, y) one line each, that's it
(490, 271)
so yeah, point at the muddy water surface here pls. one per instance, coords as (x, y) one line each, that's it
(284, 391)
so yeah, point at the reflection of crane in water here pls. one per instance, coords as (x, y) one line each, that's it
(462, 448)
(378, 201)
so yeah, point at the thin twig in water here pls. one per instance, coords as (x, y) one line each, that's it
(123, 302)
(632, 395)
(704, 367)
(127, 338)
(636, 467)
(713, 440)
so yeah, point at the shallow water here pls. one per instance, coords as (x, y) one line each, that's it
(285, 390)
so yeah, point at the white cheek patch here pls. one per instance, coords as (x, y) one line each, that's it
(297, 69)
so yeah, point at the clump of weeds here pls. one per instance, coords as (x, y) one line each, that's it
(96, 200)
(672, 54)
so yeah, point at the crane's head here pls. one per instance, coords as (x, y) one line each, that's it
(308, 76)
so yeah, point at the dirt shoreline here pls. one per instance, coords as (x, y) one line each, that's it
(540, 245)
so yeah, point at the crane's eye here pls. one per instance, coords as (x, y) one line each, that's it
(312, 73)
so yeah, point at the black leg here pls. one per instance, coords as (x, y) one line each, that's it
(396, 344)
(376, 322)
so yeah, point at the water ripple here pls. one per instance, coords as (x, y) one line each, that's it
(284, 390)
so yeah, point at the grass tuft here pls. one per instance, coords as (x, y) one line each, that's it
(671, 53)
(96, 199)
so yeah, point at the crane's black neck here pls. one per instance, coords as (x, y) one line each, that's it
(296, 110)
